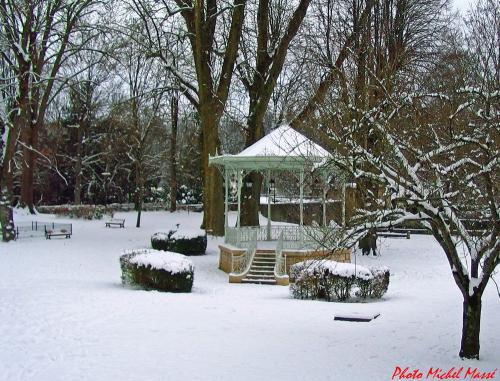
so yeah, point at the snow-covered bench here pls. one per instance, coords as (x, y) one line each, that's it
(394, 234)
(116, 222)
(58, 232)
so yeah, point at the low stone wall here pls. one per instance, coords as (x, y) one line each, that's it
(292, 256)
(226, 257)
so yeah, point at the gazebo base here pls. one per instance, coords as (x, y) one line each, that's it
(228, 252)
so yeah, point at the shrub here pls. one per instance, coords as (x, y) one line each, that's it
(184, 241)
(332, 280)
(380, 282)
(308, 283)
(186, 195)
(157, 270)
(160, 241)
(88, 212)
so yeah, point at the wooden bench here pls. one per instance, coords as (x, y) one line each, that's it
(390, 234)
(116, 222)
(49, 233)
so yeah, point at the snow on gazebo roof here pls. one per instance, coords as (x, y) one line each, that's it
(283, 148)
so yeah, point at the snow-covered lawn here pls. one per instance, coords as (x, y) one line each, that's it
(64, 315)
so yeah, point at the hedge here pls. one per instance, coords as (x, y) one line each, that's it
(179, 240)
(335, 281)
(157, 270)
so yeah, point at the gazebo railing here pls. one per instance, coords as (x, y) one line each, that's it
(242, 263)
(292, 237)
(280, 264)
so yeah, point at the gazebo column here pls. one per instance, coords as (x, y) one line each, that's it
(343, 203)
(325, 182)
(239, 200)
(239, 207)
(268, 177)
(301, 181)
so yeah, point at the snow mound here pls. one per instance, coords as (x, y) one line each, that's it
(337, 268)
(187, 233)
(179, 232)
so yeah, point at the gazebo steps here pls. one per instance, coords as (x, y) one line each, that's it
(259, 276)
(262, 269)
(265, 252)
(263, 264)
(259, 281)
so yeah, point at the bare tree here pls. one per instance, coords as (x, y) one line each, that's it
(483, 41)
(36, 40)
(145, 84)
(213, 30)
(264, 48)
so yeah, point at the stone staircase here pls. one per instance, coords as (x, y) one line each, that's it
(262, 268)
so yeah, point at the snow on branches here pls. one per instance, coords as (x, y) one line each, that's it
(434, 158)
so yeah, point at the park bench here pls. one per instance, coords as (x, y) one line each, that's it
(116, 222)
(57, 232)
(394, 234)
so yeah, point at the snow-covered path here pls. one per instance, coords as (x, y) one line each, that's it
(65, 316)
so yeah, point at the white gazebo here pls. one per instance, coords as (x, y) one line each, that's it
(284, 149)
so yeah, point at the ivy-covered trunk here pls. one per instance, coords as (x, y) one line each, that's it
(469, 347)
(30, 137)
(6, 215)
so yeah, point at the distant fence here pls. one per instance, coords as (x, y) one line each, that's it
(38, 228)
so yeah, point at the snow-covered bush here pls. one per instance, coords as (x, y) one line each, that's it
(185, 195)
(157, 270)
(330, 280)
(307, 276)
(380, 282)
(160, 241)
(159, 195)
(181, 240)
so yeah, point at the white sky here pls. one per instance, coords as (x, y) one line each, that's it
(461, 5)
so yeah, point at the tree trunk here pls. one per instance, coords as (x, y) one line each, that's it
(174, 110)
(213, 196)
(139, 194)
(30, 138)
(27, 180)
(250, 198)
(78, 165)
(78, 182)
(469, 347)
(6, 215)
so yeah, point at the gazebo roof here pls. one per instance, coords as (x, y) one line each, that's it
(283, 148)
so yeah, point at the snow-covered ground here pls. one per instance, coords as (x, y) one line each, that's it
(64, 315)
